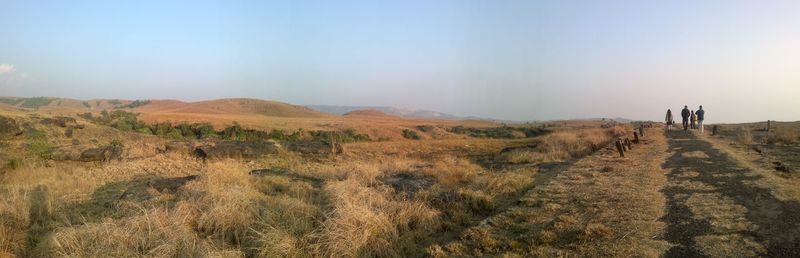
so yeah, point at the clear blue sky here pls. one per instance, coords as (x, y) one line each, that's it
(520, 60)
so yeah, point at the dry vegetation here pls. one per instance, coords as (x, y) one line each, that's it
(388, 199)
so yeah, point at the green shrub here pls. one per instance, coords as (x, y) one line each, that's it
(206, 131)
(135, 104)
(175, 135)
(348, 135)
(117, 142)
(411, 134)
(36, 102)
(12, 164)
(38, 145)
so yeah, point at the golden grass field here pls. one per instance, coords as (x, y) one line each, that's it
(564, 193)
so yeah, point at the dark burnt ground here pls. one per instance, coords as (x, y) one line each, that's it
(715, 208)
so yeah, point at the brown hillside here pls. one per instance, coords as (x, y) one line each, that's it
(239, 106)
(368, 112)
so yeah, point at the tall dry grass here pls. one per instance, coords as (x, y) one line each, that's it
(744, 136)
(563, 145)
(784, 135)
(366, 222)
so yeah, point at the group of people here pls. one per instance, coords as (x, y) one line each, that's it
(691, 119)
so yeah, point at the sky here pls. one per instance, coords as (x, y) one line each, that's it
(515, 60)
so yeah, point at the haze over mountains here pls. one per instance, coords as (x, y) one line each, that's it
(230, 106)
(401, 112)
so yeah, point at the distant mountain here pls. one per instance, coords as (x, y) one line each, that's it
(409, 113)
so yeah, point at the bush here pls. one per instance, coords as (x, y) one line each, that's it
(348, 135)
(36, 102)
(175, 135)
(744, 136)
(38, 145)
(135, 103)
(784, 135)
(205, 131)
(411, 134)
(12, 164)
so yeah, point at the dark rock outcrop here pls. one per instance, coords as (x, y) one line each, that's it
(408, 183)
(139, 190)
(294, 176)
(315, 147)
(234, 149)
(61, 121)
(178, 147)
(8, 127)
(105, 153)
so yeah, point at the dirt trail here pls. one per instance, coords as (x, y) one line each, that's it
(715, 207)
(602, 205)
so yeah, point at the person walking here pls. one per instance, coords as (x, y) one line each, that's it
(693, 118)
(700, 117)
(669, 119)
(685, 117)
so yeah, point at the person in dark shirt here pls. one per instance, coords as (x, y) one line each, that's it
(685, 117)
(701, 115)
(669, 119)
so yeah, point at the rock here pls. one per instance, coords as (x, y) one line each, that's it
(61, 121)
(76, 142)
(426, 128)
(68, 132)
(278, 171)
(65, 154)
(315, 147)
(234, 149)
(9, 127)
(105, 153)
(408, 182)
(178, 147)
(529, 147)
(139, 189)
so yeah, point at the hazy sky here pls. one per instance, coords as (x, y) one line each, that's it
(520, 60)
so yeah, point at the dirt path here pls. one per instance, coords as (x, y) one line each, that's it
(602, 205)
(716, 207)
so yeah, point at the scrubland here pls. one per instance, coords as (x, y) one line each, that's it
(389, 198)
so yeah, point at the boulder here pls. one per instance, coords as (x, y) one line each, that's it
(529, 147)
(315, 147)
(178, 147)
(294, 176)
(105, 153)
(61, 121)
(139, 190)
(235, 149)
(408, 183)
(65, 154)
(8, 127)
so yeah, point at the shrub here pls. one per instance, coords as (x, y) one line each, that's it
(744, 136)
(411, 134)
(12, 164)
(38, 145)
(36, 102)
(348, 135)
(175, 135)
(135, 103)
(784, 135)
(205, 131)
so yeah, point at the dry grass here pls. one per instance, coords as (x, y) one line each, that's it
(784, 135)
(744, 136)
(564, 145)
(324, 207)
